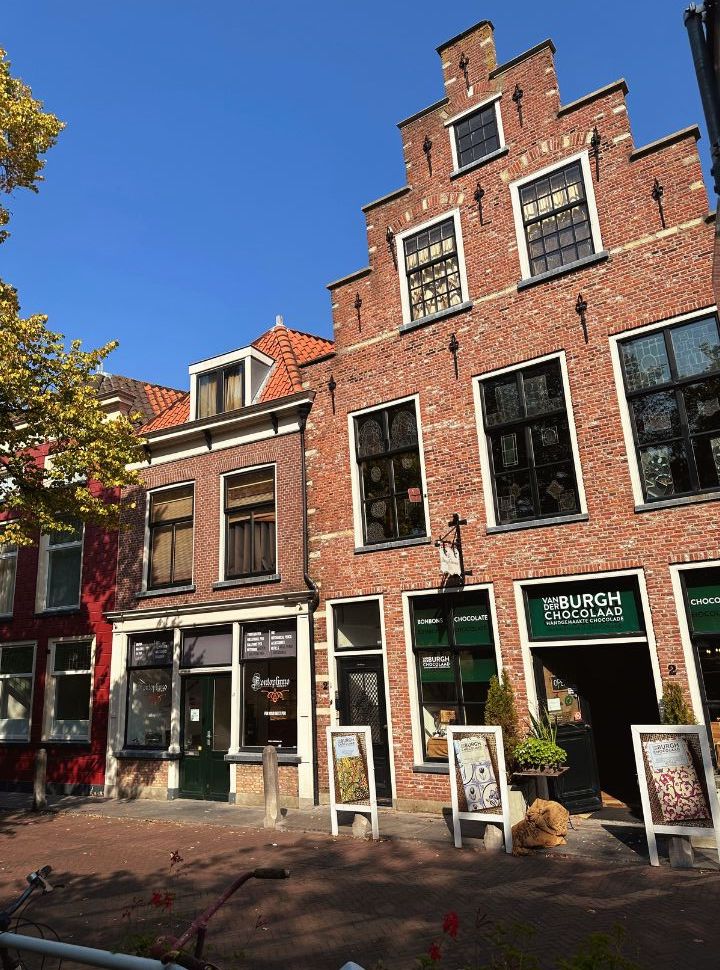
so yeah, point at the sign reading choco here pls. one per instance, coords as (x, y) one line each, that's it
(703, 596)
(575, 610)
(268, 642)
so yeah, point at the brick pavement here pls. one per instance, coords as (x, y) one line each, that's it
(348, 899)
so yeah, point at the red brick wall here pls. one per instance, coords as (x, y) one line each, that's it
(650, 275)
(205, 471)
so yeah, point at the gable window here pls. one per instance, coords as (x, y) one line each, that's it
(220, 390)
(69, 687)
(8, 568)
(250, 523)
(530, 443)
(672, 387)
(17, 663)
(387, 456)
(476, 135)
(433, 278)
(61, 554)
(171, 537)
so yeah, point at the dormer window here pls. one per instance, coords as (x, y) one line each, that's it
(220, 390)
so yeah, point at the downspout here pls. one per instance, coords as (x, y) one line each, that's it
(304, 411)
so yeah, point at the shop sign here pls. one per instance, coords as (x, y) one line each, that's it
(470, 624)
(265, 643)
(704, 606)
(151, 653)
(436, 668)
(599, 608)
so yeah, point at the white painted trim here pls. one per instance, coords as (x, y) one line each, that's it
(527, 645)
(334, 655)
(400, 255)
(48, 733)
(451, 123)
(483, 444)
(146, 541)
(247, 356)
(693, 674)
(584, 159)
(625, 419)
(416, 726)
(31, 674)
(230, 357)
(223, 524)
(355, 475)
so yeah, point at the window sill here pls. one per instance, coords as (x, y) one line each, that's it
(397, 544)
(4, 741)
(146, 754)
(562, 270)
(428, 768)
(432, 317)
(167, 591)
(670, 503)
(246, 581)
(74, 742)
(5, 617)
(498, 153)
(537, 523)
(58, 610)
(255, 758)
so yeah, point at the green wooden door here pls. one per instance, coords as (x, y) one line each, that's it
(204, 773)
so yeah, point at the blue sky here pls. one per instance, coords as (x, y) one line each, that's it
(217, 153)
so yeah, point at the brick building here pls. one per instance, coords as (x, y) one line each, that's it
(55, 641)
(533, 345)
(212, 648)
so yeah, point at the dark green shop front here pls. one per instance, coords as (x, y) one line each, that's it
(593, 678)
(702, 604)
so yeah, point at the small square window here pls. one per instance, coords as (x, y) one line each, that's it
(477, 135)
(220, 390)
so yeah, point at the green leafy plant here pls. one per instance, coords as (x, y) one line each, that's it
(675, 709)
(543, 728)
(500, 710)
(536, 754)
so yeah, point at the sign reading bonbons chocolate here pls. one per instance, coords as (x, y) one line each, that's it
(598, 608)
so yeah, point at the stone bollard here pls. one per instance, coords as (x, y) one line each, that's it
(361, 827)
(494, 839)
(681, 852)
(271, 787)
(39, 803)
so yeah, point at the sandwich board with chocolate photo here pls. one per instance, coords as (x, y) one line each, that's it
(478, 780)
(352, 774)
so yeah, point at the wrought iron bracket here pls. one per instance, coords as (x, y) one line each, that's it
(453, 347)
(595, 143)
(390, 240)
(479, 195)
(358, 304)
(517, 97)
(464, 64)
(427, 148)
(332, 384)
(657, 193)
(580, 309)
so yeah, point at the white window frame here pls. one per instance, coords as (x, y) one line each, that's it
(159, 590)
(416, 724)
(18, 737)
(5, 555)
(43, 575)
(355, 475)
(223, 525)
(49, 732)
(400, 255)
(626, 421)
(584, 159)
(452, 122)
(247, 356)
(485, 468)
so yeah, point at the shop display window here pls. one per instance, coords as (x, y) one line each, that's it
(149, 706)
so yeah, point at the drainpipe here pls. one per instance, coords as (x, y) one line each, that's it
(304, 411)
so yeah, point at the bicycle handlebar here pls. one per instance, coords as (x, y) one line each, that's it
(271, 873)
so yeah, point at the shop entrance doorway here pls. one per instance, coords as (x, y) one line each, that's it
(204, 773)
(361, 700)
(593, 694)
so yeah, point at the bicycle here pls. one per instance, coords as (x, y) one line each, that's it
(167, 953)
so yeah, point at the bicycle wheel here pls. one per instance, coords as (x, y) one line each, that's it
(39, 931)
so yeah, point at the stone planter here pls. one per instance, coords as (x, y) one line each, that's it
(535, 781)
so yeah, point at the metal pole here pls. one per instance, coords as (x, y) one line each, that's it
(86, 955)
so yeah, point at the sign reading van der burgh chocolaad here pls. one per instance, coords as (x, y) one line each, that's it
(575, 610)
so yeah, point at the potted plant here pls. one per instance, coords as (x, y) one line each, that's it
(539, 753)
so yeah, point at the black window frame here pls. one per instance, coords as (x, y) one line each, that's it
(261, 507)
(129, 668)
(675, 385)
(492, 109)
(527, 223)
(431, 263)
(449, 602)
(388, 454)
(525, 423)
(184, 520)
(220, 374)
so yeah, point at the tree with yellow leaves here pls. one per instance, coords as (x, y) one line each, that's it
(48, 391)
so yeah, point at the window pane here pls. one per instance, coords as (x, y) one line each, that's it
(250, 543)
(514, 497)
(233, 393)
(557, 489)
(72, 704)
(171, 504)
(161, 555)
(16, 660)
(410, 518)
(264, 542)
(207, 647)
(664, 471)
(72, 656)
(376, 478)
(182, 566)
(656, 417)
(476, 669)
(250, 488)
(646, 362)
(707, 460)
(357, 625)
(432, 270)
(696, 347)
(502, 400)
(542, 388)
(15, 701)
(149, 708)
(63, 583)
(61, 538)
(370, 436)
(8, 565)
(151, 650)
(477, 136)
(509, 449)
(702, 403)
(379, 520)
(551, 440)
(207, 394)
(221, 712)
(270, 703)
(402, 426)
(439, 705)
